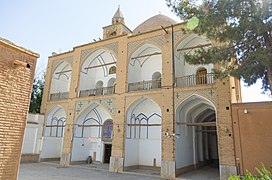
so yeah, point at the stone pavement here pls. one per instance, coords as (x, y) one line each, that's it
(52, 171)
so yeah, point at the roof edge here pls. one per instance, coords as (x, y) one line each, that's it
(20, 48)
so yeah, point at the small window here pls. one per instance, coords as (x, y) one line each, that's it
(112, 70)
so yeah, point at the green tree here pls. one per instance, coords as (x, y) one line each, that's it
(242, 29)
(37, 93)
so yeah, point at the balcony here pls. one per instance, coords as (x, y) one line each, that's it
(59, 96)
(97, 91)
(144, 85)
(194, 79)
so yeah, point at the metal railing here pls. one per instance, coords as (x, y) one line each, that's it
(194, 79)
(97, 91)
(144, 85)
(59, 96)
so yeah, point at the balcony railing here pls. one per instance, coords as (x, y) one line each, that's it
(59, 96)
(97, 91)
(144, 85)
(192, 80)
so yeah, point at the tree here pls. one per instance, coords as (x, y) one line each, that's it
(37, 93)
(242, 29)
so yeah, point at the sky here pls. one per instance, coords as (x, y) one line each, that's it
(46, 26)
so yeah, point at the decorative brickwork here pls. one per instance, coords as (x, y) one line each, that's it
(208, 93)
(134, 45)
(108, 104)
(87, 52)
(57, 62)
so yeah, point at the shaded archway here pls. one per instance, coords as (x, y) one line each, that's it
(144, 62)
(143, 134)
(196, 142)
(98, 66)
(88, 134)
(53, 134)
(185, 73)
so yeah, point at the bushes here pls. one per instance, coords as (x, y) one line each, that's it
(264, 174)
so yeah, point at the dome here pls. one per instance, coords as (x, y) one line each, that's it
(154, 22)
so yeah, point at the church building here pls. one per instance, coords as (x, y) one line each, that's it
(131, 100)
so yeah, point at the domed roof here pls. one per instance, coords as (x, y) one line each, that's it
(154, 22)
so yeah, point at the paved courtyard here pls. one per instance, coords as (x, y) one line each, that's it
(51, 171)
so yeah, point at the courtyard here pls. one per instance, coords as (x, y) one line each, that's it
(52, 170)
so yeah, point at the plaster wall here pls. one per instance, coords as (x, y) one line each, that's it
(51, 147)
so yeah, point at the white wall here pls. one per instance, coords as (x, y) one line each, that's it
(184, 148)
(142, 149)
(51, 147)
(144, 67)
(33, 134)
(61, 81)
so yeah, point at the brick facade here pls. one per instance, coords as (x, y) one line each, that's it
(16, 80)
(221, 94)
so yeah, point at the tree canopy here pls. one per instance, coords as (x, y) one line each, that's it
(242, 29)
(37, 93)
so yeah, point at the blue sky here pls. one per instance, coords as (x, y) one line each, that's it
(45, 26)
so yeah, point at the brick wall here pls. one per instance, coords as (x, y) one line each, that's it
(15, 88)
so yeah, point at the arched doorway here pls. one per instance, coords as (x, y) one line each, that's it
(143, 135)
(99, 88)
(107, 138)
(53, 134)
(156, 80)
(201, 76)
(196, 145)
(91, 132)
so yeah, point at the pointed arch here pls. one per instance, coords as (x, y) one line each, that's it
(96, 67)
(144, 61)
(88, 134)
(55, 122)
(187, 45)
(61, 78)
(143, 120)
(196, 126)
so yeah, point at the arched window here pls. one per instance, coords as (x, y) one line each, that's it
(112, 70)
(201, 76)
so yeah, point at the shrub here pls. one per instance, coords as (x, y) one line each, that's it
(264, 174)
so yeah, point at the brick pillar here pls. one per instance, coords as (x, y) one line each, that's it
(70, 111)
(65, 159)
(119, 121)
(47, 83)
(168, 141)
(225, 130)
